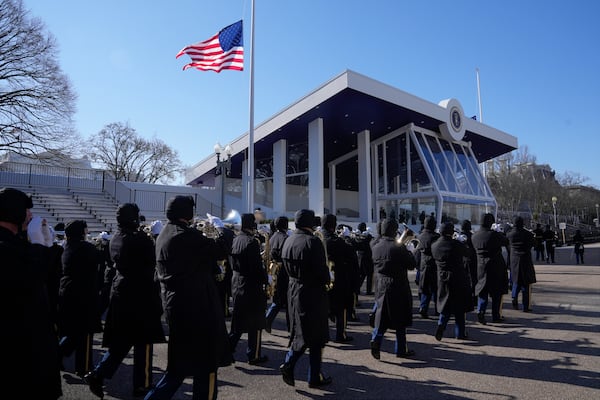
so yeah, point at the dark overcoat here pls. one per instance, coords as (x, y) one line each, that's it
(30, 345)
(393, 295)
(428, 269)
(281, 288)
(521, 241)
(303, 256)
(454, 286)
(248, 284)
(78, 294)
(198, 340)
(492, 272)
(362, 245)
(346, 272)
(135, 309)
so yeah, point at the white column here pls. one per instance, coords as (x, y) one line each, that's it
(279, 181)
(364, 176)
(316, 197)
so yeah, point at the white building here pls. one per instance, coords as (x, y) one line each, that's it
(361, 149)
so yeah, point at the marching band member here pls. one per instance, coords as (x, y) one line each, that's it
(198, 343)
(78, 297)
(134, 311)
(492, 275)
(29, 341)
(454, 286)
(303, 256)
(341, 296)
(248, 290)
(365, 256)
(393, 295)
(521, 263)
(427, 268)
(281, 284)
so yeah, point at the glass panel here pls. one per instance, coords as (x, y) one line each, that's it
(476, 177)
(453, 168)
(419, 180)
(347, 174)
(264, 168)
(396, 165)
(442, 176)
(457, 210)
(463, 174)
(263, 192)
(411, 212)
(296, 192)
(297, 158)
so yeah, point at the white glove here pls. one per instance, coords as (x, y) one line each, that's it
(38, 232)
(49, 234)
(346, 232)
(270, 279)
(156, 227)
(215, 221)
(411, 247)
(331, 276)
(264, 229)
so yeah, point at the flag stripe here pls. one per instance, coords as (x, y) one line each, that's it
(209, 55)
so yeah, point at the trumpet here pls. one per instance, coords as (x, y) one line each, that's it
(406, 236)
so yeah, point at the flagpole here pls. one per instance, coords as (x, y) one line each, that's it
(480, 116)
(479, 95)
(250, 205)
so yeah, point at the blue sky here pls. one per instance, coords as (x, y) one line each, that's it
(538, 62)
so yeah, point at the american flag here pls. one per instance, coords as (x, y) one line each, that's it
(222, 51)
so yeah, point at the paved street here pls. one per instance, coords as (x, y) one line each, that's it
(551, 353)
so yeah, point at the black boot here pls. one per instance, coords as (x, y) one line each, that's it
(287, 373)
(95, 383)
(439, 333)
(481, 318)
(515, 304)
(375, 350)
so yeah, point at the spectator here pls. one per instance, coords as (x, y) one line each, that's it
(579, 248)
(550, 243)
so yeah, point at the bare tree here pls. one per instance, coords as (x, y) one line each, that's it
(37, 102)
(119, 149)
(570, 178)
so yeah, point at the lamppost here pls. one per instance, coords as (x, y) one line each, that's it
(597, 216)
(554, 200)
(223, 169)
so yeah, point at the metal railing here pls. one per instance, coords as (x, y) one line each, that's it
(149, 197)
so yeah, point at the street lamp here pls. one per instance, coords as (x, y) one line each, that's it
(223, 169)
(554, 200)
(597, 216)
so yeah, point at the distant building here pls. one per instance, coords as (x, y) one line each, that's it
(46, 158)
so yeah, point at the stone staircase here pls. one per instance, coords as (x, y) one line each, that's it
(63, 205)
